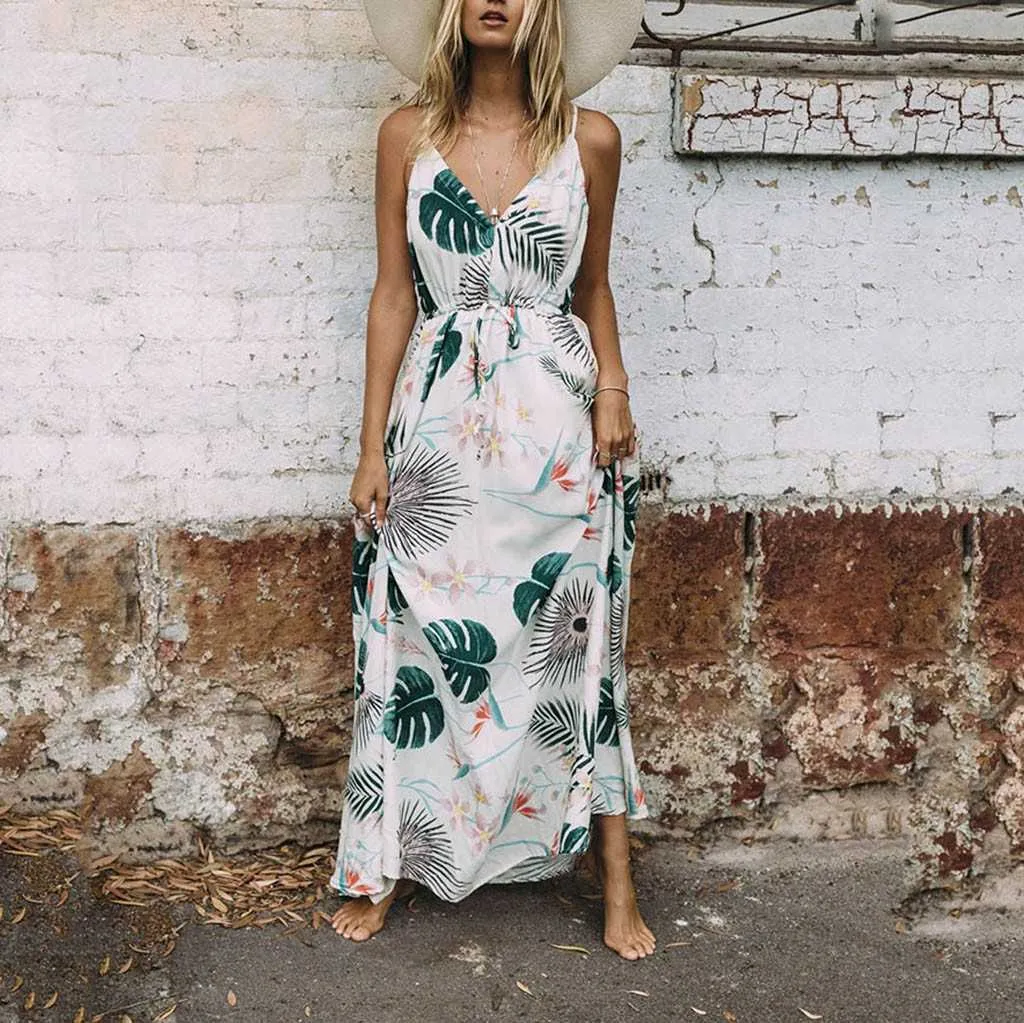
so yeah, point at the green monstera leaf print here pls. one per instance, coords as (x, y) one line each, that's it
(426, 300)
(529, 593)
(452, 217)
(464, 647)
(413, 716)
(608, 718)
(444, 354)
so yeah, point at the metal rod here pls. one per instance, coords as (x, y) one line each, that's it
(946, 10)
(752, 24)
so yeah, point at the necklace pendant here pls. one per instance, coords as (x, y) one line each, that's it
(494, 214)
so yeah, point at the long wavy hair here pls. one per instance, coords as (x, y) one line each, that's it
(444, 89)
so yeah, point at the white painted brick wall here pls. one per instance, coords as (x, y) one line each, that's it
(187, 250)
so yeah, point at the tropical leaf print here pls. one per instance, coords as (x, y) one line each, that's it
(368, 716)
(426, 301)
(444, 354)
(555, 724)
(396, 598)
(614, 573)
(567, 336)
(607, 716)
(394, 439)
(363, 554)
(425, 851)
(426, 499)
(574, 840)
(413, 716)
(464, 647)
(617, 634)
(474, 282)
(561, 632)
(572, 382)
(451, 217)
(543, 576)
(531, 245)
(630, 505)
(357, 689)
(364, 790)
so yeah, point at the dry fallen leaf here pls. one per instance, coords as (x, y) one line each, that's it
(810, 1015)
(166, 1014)
(571, 948)
(644, 993)
(105, 966)
(523, 987)
(727, 1015)
(700, 1012)
(232, 998)
(51, 1001)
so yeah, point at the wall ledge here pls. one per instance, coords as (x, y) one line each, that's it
(847, 115)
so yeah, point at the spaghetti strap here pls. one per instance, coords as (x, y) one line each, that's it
(575, 118)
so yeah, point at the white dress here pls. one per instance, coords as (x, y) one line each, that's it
(490, 612)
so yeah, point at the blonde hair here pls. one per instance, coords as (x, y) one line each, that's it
(444, 90)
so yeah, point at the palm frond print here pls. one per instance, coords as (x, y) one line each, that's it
(427, 497)
(558, 650)
(425, 851)
(572, 382)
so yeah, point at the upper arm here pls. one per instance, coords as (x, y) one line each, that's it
(600, 145)
(394, 269)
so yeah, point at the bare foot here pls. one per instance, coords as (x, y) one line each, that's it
(360, 918)
(624, 929)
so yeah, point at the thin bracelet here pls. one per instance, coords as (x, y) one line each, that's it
(610, 388)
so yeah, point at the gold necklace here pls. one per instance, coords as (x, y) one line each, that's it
(487, 198)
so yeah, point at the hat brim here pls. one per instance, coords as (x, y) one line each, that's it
(598, 34)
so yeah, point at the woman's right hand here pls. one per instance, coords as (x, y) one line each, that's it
(369, 490)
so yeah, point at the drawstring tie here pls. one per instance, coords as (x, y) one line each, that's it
(510, 314)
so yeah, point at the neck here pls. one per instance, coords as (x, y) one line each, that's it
(497, 85)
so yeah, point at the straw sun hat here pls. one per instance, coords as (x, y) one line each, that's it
(598, 34)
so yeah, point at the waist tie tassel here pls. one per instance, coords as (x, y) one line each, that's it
(510, 314)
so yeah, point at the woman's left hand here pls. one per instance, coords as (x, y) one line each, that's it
(613, 429)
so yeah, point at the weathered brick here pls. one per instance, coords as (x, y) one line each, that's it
(86, 590)
(687, 588)
(891, 583)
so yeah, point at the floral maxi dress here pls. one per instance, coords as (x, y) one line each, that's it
(490, 610)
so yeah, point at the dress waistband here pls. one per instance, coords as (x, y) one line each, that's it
(508, 309)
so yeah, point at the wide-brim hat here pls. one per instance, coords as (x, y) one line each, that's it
(598, 34)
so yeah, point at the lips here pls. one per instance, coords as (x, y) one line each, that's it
(495, 16)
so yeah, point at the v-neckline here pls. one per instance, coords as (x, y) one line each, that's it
(522, 191)
(476, 202)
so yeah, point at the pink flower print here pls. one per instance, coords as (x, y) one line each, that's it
(499, 397)
(455, 577)
(591, 533)
(523, 414)
(591, 501)
(407, 381)
(457, 809)
(493, 446)
(480, 796)
(560, 475)
(425, 581)
(474, 371)
(638, 795)
(470, 429)
(483, 830)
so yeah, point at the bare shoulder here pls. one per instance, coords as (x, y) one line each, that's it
(398, 127)
(598, 134)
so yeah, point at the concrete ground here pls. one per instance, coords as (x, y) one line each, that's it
(753, 934)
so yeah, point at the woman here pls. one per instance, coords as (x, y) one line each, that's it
(495, 491)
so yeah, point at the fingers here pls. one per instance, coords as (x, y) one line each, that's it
(371, 508)
(610, 444)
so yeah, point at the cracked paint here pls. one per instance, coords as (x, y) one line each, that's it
(869, 116)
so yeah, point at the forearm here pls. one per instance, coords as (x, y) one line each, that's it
(596, 305)
(390, 318)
